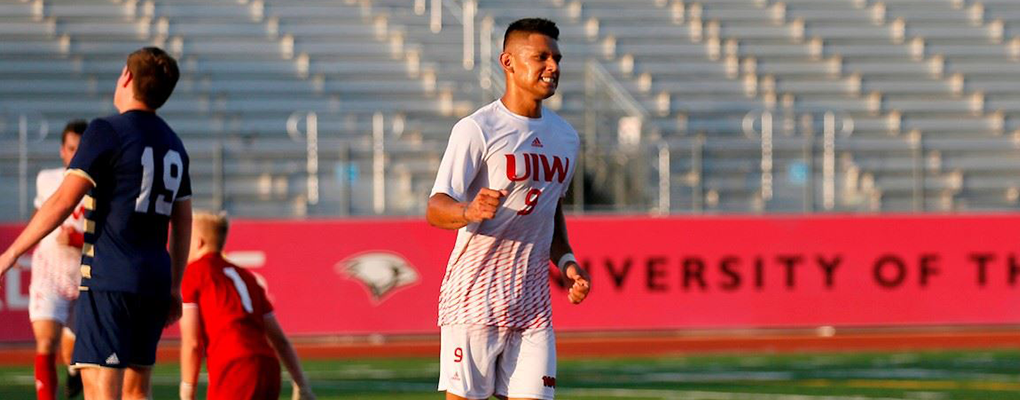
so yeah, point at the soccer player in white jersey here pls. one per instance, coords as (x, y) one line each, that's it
(500, 183)
(55, 278)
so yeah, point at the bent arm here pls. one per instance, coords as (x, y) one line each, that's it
(446, 213)
(560, 243)
(575, 279)
(52, 213)
(286, 352)
(462, 161)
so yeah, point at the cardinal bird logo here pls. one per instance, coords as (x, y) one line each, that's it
(382, 273)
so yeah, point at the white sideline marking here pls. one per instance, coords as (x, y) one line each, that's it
(753, 376)
(703, 395)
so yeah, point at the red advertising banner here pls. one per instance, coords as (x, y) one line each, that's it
(383, 276)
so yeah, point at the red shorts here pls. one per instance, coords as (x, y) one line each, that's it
(252, 378)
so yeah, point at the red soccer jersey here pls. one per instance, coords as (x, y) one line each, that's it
(232, 307)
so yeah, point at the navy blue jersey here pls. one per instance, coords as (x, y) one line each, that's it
(139, 168)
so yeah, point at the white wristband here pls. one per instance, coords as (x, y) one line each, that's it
(569, 257)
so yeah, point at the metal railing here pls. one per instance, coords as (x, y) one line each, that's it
(766, 134)
(307, 171)
(375, 151)
(490, 78)
(816, 166)
(614, 131)
(26, 129)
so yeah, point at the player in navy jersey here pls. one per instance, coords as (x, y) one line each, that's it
(134, 170)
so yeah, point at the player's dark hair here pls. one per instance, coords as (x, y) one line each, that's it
(155, 75)
(532, 25)
(76, 126)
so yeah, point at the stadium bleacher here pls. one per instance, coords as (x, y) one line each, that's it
(929, 88)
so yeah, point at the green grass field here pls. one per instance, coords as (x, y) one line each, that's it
(976, 375)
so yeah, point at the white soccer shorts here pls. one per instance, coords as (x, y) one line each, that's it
(479, 361)
(46, 304)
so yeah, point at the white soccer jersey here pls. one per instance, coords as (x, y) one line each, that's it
(498, 273)
(55, 267)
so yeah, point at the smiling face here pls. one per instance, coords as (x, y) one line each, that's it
(532, 65)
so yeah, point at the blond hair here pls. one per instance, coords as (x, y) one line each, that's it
(211, 226)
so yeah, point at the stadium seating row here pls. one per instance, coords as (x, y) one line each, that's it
(943, 70)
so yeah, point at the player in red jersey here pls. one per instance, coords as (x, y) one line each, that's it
(228, 317)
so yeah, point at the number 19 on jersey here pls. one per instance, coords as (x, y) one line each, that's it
(172, 173)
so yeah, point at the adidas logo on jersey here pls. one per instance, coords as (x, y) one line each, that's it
(536, 143)
(112, 359)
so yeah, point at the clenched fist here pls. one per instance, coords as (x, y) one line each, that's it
(578, 282)
(484, 205)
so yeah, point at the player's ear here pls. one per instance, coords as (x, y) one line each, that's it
(506, 61)
(128, 77)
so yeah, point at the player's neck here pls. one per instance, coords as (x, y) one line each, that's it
(133, 105)
(522, 105)
(201, 253)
